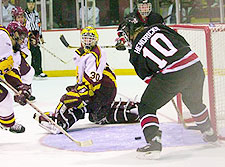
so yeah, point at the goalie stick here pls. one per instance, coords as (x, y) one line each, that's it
(54, 55)
(79, 143)
(66, 44)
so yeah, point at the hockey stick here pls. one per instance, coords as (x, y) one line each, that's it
(133, 100)
(79, 143)
(54, 55)
(66, 44)
(180, 116)
(167, 16)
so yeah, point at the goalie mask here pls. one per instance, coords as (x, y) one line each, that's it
(144, 7)
(89, 37)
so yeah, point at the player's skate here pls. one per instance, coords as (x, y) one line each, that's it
(41, 76)
(45, 124)
(16, 128)
(209, 136)
(152, 150)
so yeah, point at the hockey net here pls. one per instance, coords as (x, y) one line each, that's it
(209, 44)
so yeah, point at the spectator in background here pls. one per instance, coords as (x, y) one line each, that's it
(171, 13)
(127, 10)
(92, 14)
(185, 13)
(213, 4)
(34, 27)
(6, 10)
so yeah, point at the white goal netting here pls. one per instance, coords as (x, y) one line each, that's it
(209, 44)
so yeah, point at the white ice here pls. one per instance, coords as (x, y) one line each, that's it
(26, 150)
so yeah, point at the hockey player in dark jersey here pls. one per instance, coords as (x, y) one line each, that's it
(143, 16)
(163, 58)
(95, 90)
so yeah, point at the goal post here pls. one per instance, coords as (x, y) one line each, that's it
(209, 44)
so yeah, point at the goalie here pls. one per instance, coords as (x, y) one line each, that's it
(94, 92)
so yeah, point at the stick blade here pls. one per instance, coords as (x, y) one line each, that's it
(192, 127)
(84, 143)
(63, 40)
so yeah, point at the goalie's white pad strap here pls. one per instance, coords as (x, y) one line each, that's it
(46, 125)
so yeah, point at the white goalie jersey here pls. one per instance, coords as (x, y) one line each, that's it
(90, 65)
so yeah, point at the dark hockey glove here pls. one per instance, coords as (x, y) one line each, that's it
(34, 38)
(70, 88)
(24, 93)
(77, 88)
(120, 43)
(81, 88)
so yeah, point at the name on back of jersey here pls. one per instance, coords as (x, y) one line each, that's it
(144, 39)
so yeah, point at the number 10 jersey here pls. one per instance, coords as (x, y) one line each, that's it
(160, 49)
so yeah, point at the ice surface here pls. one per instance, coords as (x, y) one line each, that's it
(29, 149)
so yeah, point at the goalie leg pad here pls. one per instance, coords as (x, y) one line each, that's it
(121, 116)
(124, 105)
(45, 124)
(49, 127)
(66, 117)
(40, 118)
(123, 112)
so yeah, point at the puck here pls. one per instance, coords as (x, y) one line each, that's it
(137, 138)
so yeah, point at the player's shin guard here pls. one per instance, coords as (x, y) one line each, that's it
(203, 122)
(150, 126)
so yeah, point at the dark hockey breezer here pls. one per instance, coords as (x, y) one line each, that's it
(163, 59)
